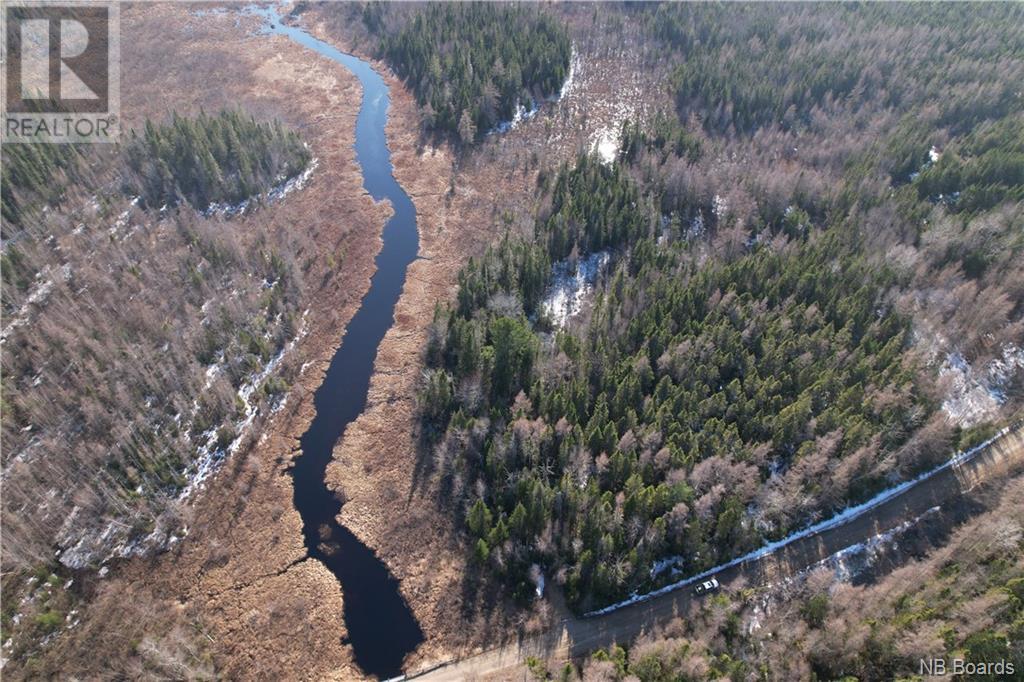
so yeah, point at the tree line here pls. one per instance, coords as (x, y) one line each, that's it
(471, 65)
(224, 159)
(776, 381)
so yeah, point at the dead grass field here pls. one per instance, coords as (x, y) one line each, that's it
(235, 595)
(230, 596)
(464, 202)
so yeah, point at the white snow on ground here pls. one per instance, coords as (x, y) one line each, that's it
(973, 394)
(670, 564)
(42, 290)
(1001, 370)
(523, 114)
(605, 140)
(122, 220)
(969, 401)
(719, 206)
(84, 549)
(933, 156)
(276, 193)
(696, 229)
(571, 285)
(570, 81)
(848, 562)
(212, 12)
(209, 457)
(538, 580)
(591, 112)
(839, 519)
(280, 191)
(606, 144)
(212, 371)
(976, 395)
(38, 296)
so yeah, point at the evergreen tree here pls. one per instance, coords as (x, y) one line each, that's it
(471, 65)
(204, 161)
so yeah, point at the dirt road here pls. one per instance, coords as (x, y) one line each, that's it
(575, 637)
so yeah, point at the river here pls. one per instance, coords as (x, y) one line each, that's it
(382, 629)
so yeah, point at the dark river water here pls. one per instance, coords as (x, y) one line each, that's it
(381, 627)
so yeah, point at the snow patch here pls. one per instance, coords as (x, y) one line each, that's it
(38, 296)
(839, 519)
(670, 564)
(606, 139)
(209, 456)
(976, 395)
(606, 145)
(521, 114)
(275, 194)
(570, 286)
(696, 229)
(570, 81)
(850, 561)
(719, 206)
(80, 550)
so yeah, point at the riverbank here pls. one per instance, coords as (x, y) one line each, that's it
(462, 202)
(236, 589)
(391, 505)
(235, 594)
(268, 614)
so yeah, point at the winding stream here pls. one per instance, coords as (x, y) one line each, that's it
(381, 627)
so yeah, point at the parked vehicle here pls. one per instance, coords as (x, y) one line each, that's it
(710, 585)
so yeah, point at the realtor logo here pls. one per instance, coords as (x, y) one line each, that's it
(61, 71)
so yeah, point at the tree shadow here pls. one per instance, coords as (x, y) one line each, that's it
(919, 540)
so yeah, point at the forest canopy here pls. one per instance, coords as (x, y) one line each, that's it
(743, 67)
(34, 175)
(221, 159)
(96, 354)
(651, 433)
(823, 219)
(472, 65)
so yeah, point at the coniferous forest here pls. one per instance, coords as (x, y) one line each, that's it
(471, 65)
(651, 433)
(32, 176)
(212, 159)
(714, 399)
(458, 338)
